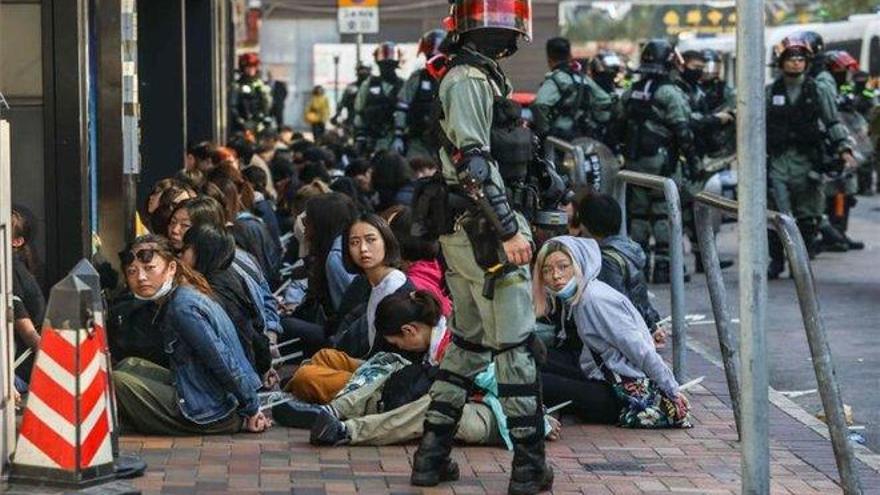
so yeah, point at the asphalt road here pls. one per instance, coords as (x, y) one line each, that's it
(849, 293)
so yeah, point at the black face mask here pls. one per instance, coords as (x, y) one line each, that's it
(692, 76)
(388, 71)
(362, 76)
(839, 78)
(605, 80)
(496, 44)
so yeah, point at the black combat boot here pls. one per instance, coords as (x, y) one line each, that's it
(530, 474)
(660, 273)
(832, 240)
(431, 463)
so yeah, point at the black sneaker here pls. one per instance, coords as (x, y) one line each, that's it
(329, 430)
(297, 414)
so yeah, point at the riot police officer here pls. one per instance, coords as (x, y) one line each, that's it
(657, 116)
(487, 250)
(797, 110)
(719, 97)
(606, 69)
(705, 126)
(818, 65)
(376, 101)
(569, 104)
(841, 192)
(415, 104)
(346, 103)
(250, 98)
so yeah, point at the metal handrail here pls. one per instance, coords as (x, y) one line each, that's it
(676, 255)
(799, 263)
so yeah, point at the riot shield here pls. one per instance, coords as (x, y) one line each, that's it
(599, 167)
(855, 123)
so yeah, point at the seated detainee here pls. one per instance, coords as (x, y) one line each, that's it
(210, 386)
(618, 361)
(378, 408)
(623, 260)
(410, 321)
(209, 249)
(371, 251)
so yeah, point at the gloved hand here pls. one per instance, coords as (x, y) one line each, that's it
(398, 145)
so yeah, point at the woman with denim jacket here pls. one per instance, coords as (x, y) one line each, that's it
(210, 387)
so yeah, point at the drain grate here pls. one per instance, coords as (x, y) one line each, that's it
(613, 466)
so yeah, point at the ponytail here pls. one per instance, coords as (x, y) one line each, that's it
(402, 308)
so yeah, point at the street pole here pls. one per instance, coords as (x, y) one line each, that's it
(752, 196)
(359, 40)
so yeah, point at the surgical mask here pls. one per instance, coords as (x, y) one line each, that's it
(692, 76)
(566, 293)
(163, 291)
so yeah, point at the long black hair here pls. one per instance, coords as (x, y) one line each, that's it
(213, 246)
(326, 217)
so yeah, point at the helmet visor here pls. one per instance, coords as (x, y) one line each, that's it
(515, 15)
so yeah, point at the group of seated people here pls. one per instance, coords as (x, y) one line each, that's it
(259, 249)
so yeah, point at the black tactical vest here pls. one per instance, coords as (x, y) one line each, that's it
(793, 124)
(418, 116)
(641, 141)
(378, 111)
(510, 141)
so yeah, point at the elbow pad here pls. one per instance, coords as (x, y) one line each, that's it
(473, 170)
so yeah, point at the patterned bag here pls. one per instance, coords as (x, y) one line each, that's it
(643, 404)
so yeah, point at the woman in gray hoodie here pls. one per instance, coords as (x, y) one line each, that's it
(617, 346)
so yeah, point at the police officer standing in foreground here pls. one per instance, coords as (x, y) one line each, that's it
(376, 101)
(415, 104)
(657, 117)
(796, 105)
(493, 311)
(362, 72)
(250, 98)
(569, 104)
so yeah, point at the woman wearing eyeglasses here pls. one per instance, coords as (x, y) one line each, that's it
(210, 386)
(617, 376)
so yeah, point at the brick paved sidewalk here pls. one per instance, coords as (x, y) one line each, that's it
(588, 459)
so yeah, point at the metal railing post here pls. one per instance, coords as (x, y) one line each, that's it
(829, 391)
(720, 309)
(814, 325)
(751, 152)
(676, 256)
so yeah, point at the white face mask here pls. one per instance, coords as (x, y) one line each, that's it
(162, 292)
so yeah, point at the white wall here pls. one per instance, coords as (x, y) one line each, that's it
(286, 50)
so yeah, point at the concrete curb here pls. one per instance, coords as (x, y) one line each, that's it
(798, 413)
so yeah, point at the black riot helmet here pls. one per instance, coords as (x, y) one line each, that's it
(658, 57)
(712, 71)
(814, 40)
